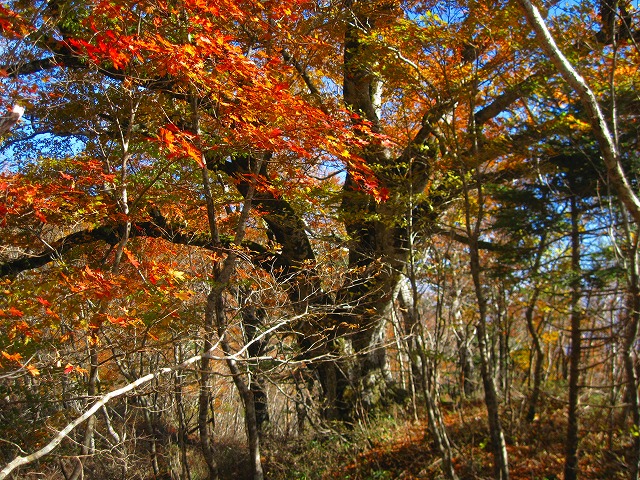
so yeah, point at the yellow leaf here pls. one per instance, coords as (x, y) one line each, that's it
(189, 49)
(177, 274)
(183, 295)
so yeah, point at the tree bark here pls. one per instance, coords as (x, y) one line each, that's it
(538, 354)
(629, 352)
(180, 412)
(498, 445)
(214, 315)
(92, 390)
(571, 444)
(436, 424)
(204, 397)
(246, 394)
(253, 320)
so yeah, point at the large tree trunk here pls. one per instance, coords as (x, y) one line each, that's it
(351, 321)
(629, 352)
(378, 238)
(571, 444)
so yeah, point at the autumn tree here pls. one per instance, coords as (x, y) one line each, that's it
(170, 151)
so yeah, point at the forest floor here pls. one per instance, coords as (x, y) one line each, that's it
(396, 447)
(399, 446)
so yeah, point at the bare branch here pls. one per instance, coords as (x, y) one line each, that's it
(102, 401)
(608, 148)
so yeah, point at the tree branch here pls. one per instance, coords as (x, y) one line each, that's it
(504, 101)
(302, 71)
(606, 143)
(102, 401)
(110, 234)
(64, 56)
